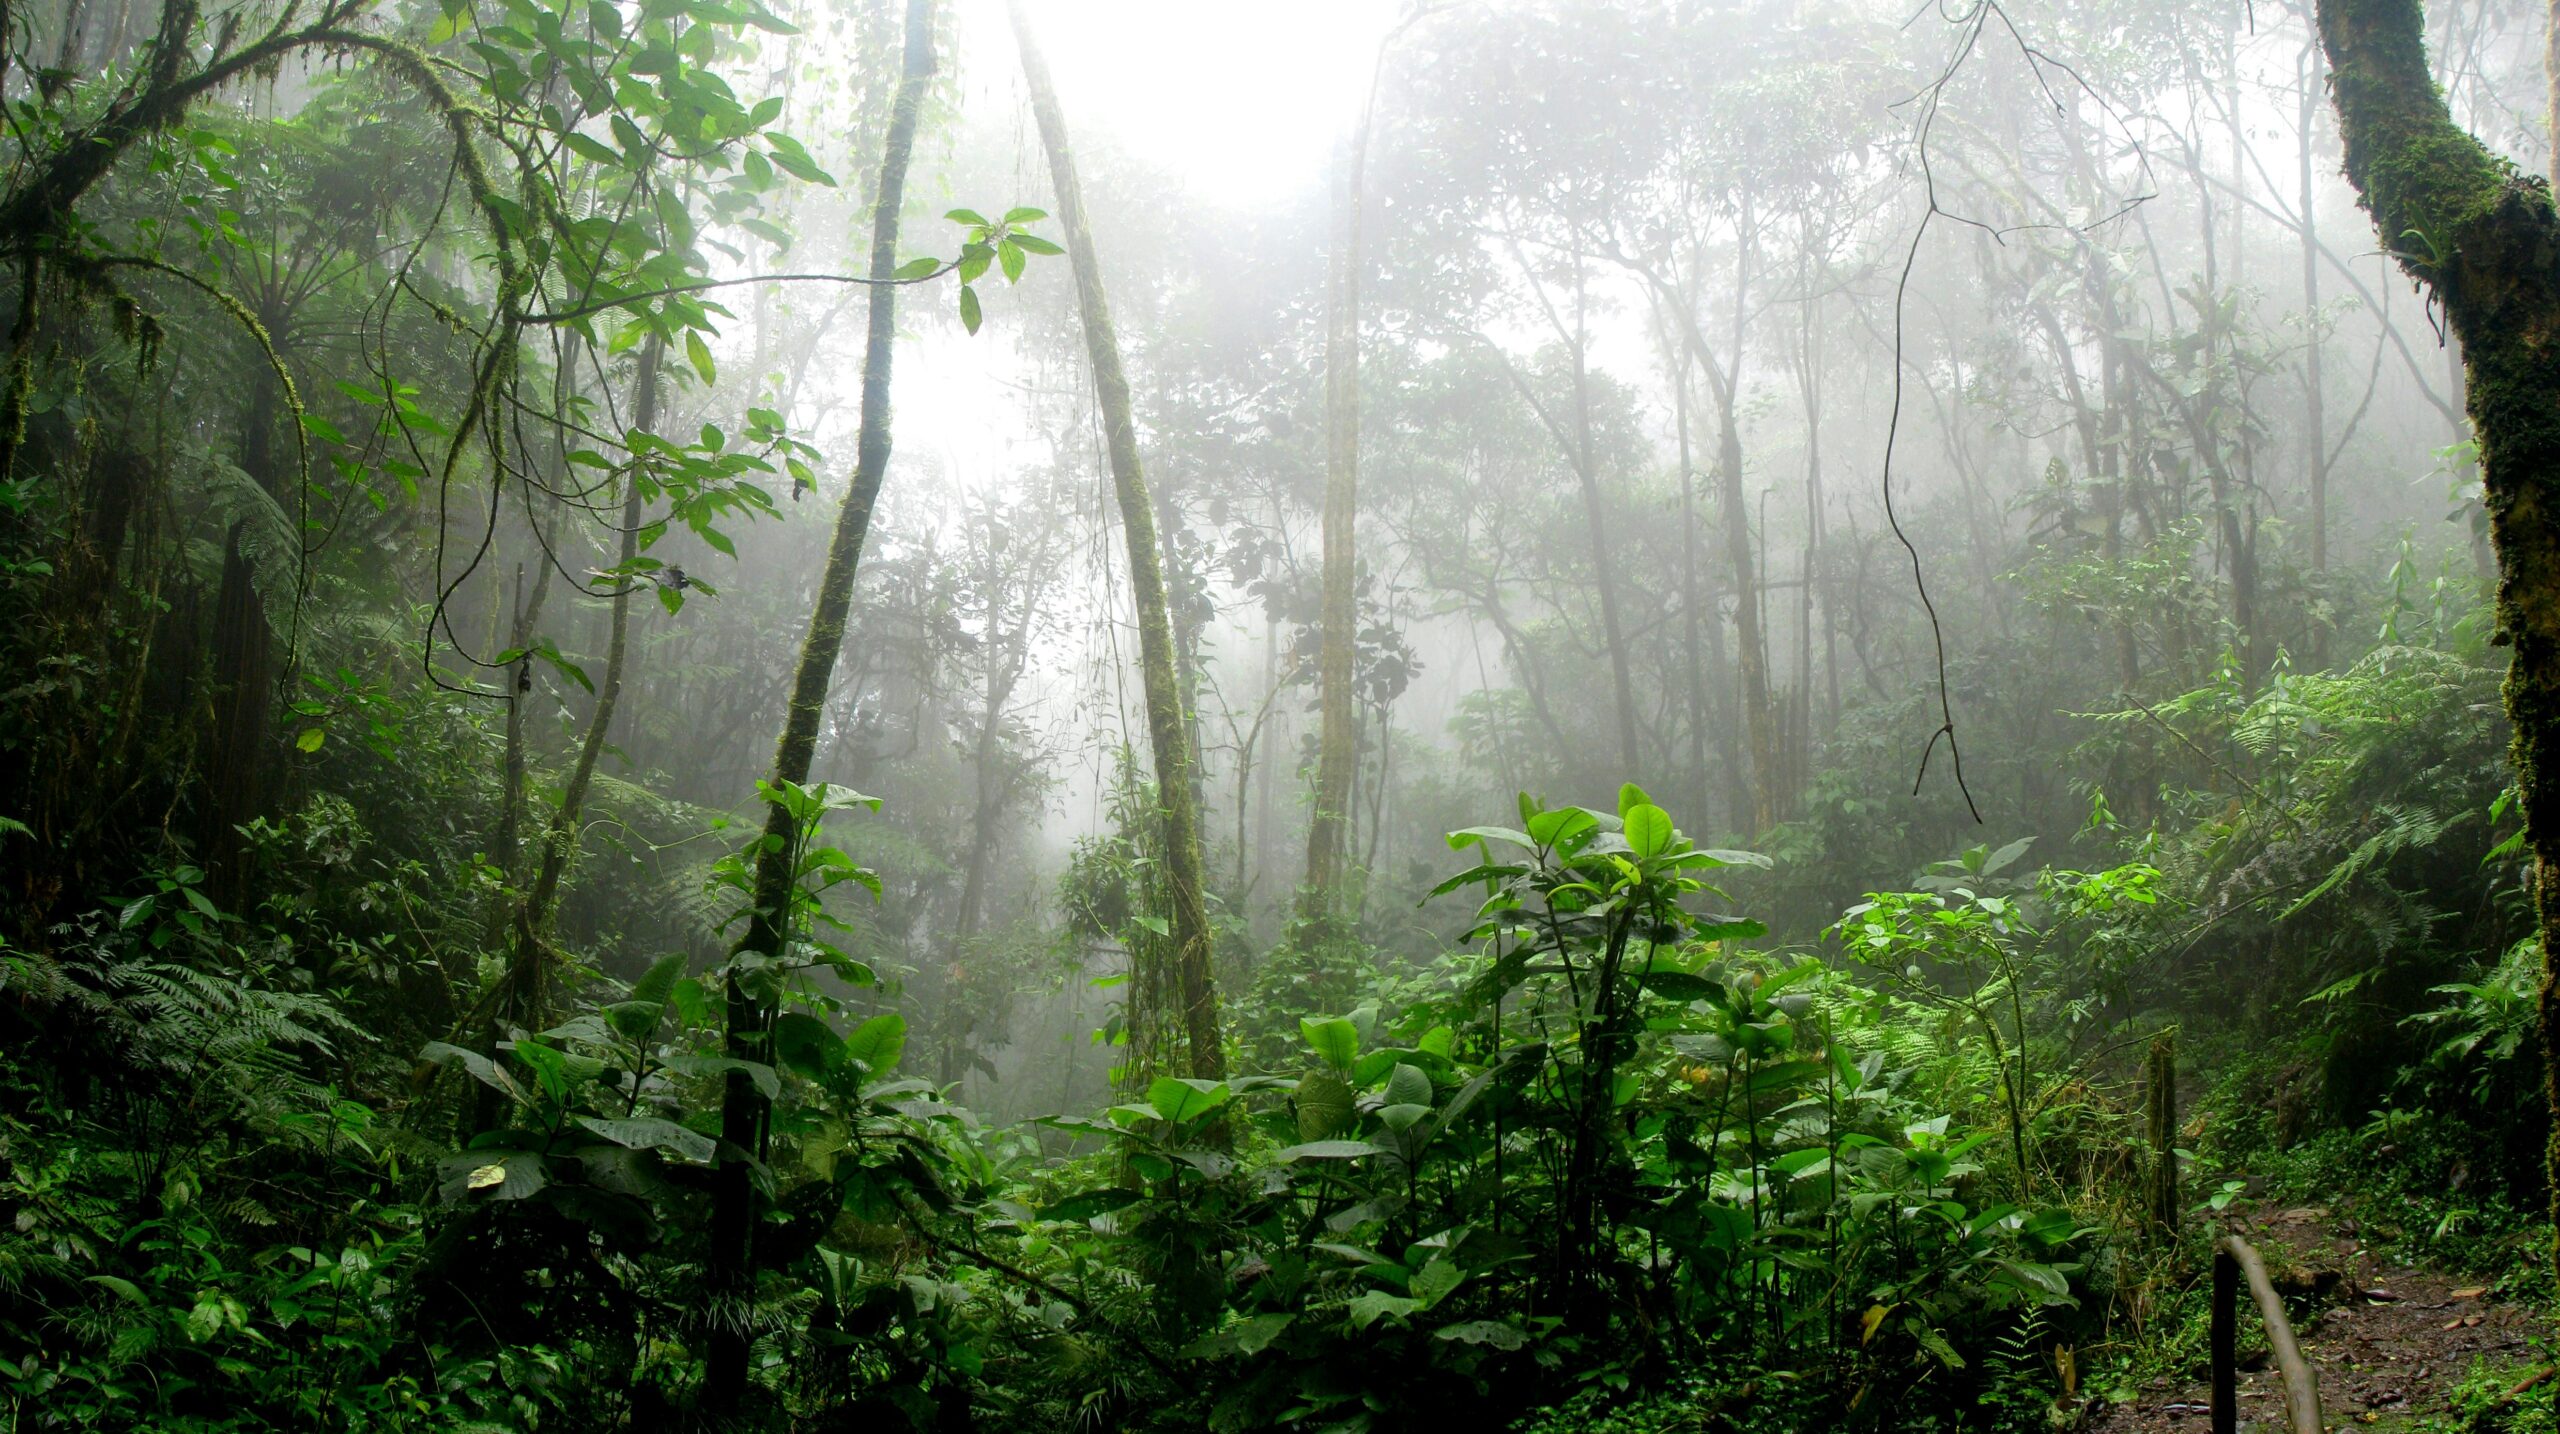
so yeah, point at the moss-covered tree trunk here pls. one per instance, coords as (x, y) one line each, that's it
(745, 1114)
(1167, 732)
(2481, 235)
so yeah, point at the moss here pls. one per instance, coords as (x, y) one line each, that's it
(2483, 238)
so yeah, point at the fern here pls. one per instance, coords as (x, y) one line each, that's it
(270, 541)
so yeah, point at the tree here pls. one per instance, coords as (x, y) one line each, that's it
(744, 1110)
(2481, 235)
(1168, 730)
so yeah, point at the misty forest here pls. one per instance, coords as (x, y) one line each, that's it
(1077, 715)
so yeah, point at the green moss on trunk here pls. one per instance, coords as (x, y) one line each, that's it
(2481, 236)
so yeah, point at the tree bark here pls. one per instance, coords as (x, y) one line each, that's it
(744, 1113)
(2481, 235)
(244, 675)
(1168, 732)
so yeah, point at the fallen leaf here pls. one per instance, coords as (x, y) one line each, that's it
(486, 1176)
(2473, 1293)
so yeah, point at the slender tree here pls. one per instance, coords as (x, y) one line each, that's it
(1337, 751)
(744, 1112)
(521, 995)
(2481, 235)
(1168, 733)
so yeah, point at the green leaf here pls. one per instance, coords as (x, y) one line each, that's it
(969, 216)
(803, 1043)
(635, 145)
(653, 1133)
(917, 268)
(1676, 985)
(124, 1289)
(1630, 797)
(970, 314)
(1009, 259)
(1180, 1098)
(700, 353)
(480, 1067)
(1648, 830)
(1248, 1336)
(1034, 244)
(1369, 1307)
(795, 160)
(762, 1076)
(1323, 1102)
(1327, 1150)
(1023, 215)
(1335, 1038)
(493, 1174)
(1408, 1085)
(878, 1042)
(1558, 828)
(310, 739)
(1493, 1332)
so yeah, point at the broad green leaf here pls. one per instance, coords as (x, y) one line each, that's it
(652, 1133)
(803, 1043)
(1648, 830)
(1180, 1098)
(1408, 1085)
(1334, 1038)
(1324, 1103)
(1327, 1150)
(1492, 1332)
(878, 1042)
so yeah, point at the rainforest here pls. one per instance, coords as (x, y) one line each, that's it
(1562, 716)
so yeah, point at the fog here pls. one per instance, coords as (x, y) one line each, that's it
(1839, 421)
(2107, 337)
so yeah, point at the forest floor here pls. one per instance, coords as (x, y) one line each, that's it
(2394, 1347)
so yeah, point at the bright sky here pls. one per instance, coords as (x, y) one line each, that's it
(1240, 98)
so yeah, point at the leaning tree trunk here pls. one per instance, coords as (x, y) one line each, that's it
(744, 1112)
(2481, 235)
(1166, 730)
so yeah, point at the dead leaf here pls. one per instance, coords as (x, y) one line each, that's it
(2473, 1293)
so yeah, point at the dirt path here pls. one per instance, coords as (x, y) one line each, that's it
(2387, 1349)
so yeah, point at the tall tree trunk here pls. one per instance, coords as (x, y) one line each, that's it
(2315, 420)
(744, 1112)
(2483, 238)
(1604, 570)
(1337, 748)
(1692, 602)
(244, 676)
(1751, 645)
(1167, 731)
(523, 995)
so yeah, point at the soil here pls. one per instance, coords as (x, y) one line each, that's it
(2387, 1347)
